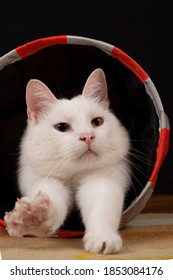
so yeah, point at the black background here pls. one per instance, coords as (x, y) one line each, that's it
(143, 29)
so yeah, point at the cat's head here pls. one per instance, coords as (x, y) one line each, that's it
(68, 136)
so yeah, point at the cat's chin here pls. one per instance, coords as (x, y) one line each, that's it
(88, 154)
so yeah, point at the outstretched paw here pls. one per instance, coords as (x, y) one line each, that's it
(109, 243)
(36, 216)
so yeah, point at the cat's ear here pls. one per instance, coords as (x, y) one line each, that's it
(96, 88)
(38, 99)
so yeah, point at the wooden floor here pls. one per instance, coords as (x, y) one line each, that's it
(159, 204)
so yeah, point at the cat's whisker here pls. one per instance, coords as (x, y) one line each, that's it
(136, 166)
(59, 163)
(132, 125)
(137, 140)
(131, 173)
(138, 169)
(141, 159)
(138, 151)
(139, 183)
(137, 180)
(131, 182)
(67, 156)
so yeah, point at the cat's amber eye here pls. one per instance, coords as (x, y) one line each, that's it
(62, 127)
(97, 122)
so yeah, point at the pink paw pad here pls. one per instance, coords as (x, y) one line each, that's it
(31, 216)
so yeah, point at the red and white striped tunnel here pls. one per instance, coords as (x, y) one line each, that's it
(31, 48)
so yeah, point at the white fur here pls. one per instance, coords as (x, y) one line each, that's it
(56, 167)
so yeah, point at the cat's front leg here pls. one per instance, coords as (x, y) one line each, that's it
(101, 203)
(41, 211)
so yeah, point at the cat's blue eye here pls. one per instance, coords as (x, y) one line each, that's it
(62, 127)
(97, 122)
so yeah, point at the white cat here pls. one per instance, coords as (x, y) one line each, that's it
(72, 150)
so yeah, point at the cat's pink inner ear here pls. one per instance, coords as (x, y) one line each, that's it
(96, 87)
(38, 99)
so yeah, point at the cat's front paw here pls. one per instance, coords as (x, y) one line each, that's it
(35, 216)
(98, 243)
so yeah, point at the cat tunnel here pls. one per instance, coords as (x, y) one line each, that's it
(63, 63)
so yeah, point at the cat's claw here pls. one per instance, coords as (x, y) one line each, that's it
(35, 216)
(102, 244)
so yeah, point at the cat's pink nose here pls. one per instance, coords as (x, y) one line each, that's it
(87, 137)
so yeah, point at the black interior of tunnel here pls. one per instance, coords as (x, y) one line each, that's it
(64, 69)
